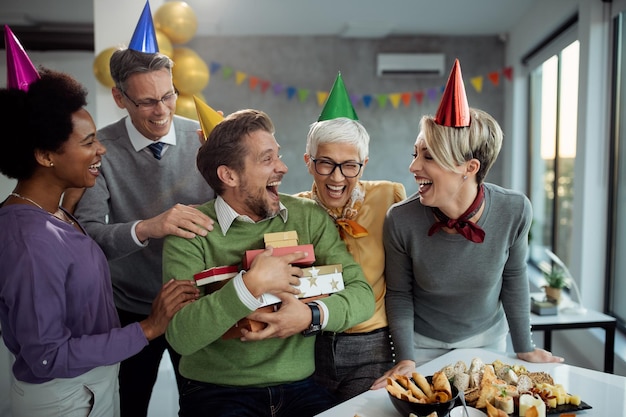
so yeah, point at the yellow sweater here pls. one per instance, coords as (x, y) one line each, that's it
(368, 251)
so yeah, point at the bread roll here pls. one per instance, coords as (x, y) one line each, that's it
(477, 365)
(442, 390)
(505, 404)
(422, 383)
(461, 381)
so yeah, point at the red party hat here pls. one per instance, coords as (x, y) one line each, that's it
(453, 109)
(21, 72)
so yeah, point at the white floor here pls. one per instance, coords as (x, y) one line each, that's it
(164, 401)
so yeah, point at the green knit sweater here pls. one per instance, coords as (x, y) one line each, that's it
(195, 331)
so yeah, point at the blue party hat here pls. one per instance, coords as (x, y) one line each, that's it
(144, 38)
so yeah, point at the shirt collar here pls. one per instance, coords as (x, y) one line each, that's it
(140, 142)
(226, 215)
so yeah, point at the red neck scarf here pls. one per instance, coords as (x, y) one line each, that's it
(469, 230)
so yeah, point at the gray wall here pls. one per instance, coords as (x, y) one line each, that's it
(313, 62)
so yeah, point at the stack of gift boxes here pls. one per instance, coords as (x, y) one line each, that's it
(316, 282)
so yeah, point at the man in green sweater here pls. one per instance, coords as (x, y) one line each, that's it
(267, 372)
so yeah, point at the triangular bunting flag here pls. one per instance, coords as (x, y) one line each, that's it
(240, 77)
(494, 77)
(303, 94)
(354, 99)
(477, 82)
(382, 100)
(433, 93)
(395, 99)
(278, 89)
(227, 72)
(419, 96)
(321, 97)
(406, 99)
(508, 73)
(214, 67)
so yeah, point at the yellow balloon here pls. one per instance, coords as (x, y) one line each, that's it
(101, 67)
(190, 73)
(177, 20)
(165, 45)
(186, 106)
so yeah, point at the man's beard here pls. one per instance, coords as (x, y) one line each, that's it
(258, 203)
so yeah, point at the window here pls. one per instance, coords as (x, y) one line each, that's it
(617, 225)
(553, 112)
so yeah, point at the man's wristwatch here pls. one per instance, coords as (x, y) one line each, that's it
(316, 326)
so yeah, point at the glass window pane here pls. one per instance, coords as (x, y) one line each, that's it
(567, 134)
(543, 102)
(617, 306)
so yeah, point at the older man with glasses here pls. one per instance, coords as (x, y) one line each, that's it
(148, 189)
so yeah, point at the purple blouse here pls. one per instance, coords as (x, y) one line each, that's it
(56, 302)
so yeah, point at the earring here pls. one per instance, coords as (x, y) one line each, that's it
(464, 177)
(51, 164)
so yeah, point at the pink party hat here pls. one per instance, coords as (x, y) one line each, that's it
(21, 72)
(453, 109)
(144, 38)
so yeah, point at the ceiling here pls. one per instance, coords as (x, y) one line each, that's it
(49, 21)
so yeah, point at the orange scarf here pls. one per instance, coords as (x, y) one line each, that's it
(344, 218)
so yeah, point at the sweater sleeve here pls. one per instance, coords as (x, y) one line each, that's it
(208, 318)
(92, 211)
(355, 303)
(515, 287)
(399, 297)
(60, 321)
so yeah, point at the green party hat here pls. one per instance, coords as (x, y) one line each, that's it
(338, 103)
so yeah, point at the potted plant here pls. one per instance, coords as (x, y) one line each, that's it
(556, 281)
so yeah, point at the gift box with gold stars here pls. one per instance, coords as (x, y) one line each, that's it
(317, 281)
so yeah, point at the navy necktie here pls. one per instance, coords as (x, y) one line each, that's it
(156, 149)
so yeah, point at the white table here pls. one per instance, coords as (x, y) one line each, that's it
(564, 321)
(605, 393)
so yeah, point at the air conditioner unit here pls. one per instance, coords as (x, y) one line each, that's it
(410, 64)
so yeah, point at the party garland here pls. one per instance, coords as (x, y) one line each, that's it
(405, 98)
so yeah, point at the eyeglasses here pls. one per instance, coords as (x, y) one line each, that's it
(151, 103)
(347, 169)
